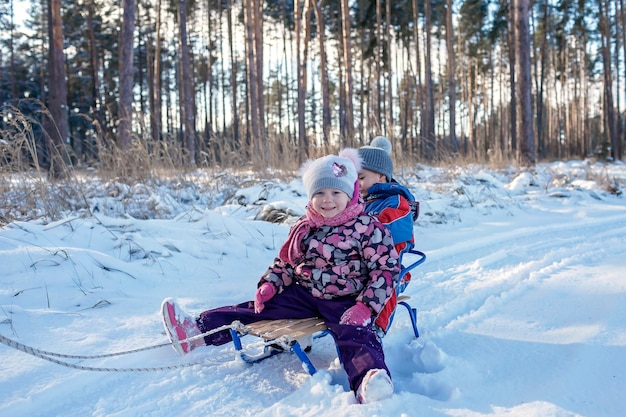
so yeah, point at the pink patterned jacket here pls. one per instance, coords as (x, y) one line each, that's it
(356, 258)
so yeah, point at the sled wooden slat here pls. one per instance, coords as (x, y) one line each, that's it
(292, 328)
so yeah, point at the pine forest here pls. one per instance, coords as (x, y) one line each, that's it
(193, 83)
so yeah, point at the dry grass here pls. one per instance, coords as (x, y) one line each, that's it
(222, 167)
(29, 192)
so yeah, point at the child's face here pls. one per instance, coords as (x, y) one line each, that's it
(368, 178)
(329, 201)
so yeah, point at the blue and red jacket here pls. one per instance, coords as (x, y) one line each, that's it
(396, 208)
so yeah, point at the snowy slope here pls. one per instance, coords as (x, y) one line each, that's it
(522, 304)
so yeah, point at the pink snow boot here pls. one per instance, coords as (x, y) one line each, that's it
(376, 386)
(179, 327)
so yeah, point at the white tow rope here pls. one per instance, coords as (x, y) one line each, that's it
(50, 356)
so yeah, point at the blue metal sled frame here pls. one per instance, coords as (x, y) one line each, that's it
(279, 336)
(402, 299)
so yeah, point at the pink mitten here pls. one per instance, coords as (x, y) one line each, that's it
(263, 293)
(357, 315)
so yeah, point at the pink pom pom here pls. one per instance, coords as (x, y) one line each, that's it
(353, 155)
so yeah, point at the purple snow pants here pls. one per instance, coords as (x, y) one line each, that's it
(359, 347)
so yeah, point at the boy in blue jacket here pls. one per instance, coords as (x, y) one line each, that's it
(393, 205)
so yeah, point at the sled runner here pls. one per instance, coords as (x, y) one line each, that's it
(285, 335)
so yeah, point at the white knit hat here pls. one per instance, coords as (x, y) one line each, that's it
(332, 171)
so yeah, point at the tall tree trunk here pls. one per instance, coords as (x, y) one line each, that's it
(348, 134)
(389, 122)
(155, 85)
(471, 146)
(301, 51)
(609, 110)
(325, 88)
(378, 109)
(57, 125)
(254, 121)
(618, 124)
(222, 75)
(429, 107)
(570, 148)
(187, 91)
(141, 73)
(96, 105)
(171, 127)
(419, 99)
(45, 5)
(621, 139)
(342, 91)
(308, 10)
(13, 80)
(451, 73)
(512, 62)
(126, 69)
(527, 144)
(233, 74)
(502, 112)
(283, 79)
(364, 99)
(540, 75)
(260, 95)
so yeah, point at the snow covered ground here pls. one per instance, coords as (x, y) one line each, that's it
(522, 302)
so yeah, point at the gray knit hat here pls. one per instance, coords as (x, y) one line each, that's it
(332, 171)
(377, 157)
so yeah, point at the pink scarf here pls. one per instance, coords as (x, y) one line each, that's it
(291, 252)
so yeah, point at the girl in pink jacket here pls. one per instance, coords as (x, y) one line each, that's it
(338, 263)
